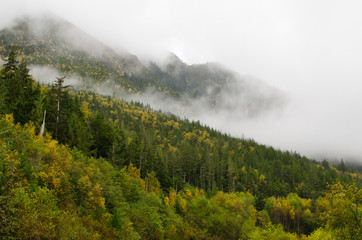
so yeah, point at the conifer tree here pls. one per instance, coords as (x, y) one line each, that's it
(10, 83)
(341, 166)
(29, 93)
(56, 109)
(11, 63)
(19, 92)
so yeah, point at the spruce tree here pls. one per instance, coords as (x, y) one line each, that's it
(12, 88)
(29, 93)
(57, 94)
(11, 62)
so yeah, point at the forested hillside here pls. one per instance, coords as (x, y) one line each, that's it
(53, 42)
(109, 169)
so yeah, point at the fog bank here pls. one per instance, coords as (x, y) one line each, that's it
(303, 125)
(310, 49)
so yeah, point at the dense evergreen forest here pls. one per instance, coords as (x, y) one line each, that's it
(108, 169)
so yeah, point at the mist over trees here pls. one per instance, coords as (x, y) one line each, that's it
(120, 170)
(50, 41)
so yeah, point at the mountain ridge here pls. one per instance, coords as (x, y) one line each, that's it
(54, 42)
(111, 169)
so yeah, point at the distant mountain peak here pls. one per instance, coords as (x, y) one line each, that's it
(51, 41)
(172, 58)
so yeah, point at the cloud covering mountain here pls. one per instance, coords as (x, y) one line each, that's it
(309, 49)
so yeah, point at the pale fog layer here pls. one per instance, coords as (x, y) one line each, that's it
(310, 49)
(304, 125)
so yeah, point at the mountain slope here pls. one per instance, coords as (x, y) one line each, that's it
(54, 42)
(50, 192)
(51, 41)
(128, 172)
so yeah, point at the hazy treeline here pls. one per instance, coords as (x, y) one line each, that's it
(109, 169)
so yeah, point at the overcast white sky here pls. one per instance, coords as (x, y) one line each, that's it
(311, 49)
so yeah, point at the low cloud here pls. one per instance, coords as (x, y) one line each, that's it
(297, 126)
(309, 49)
